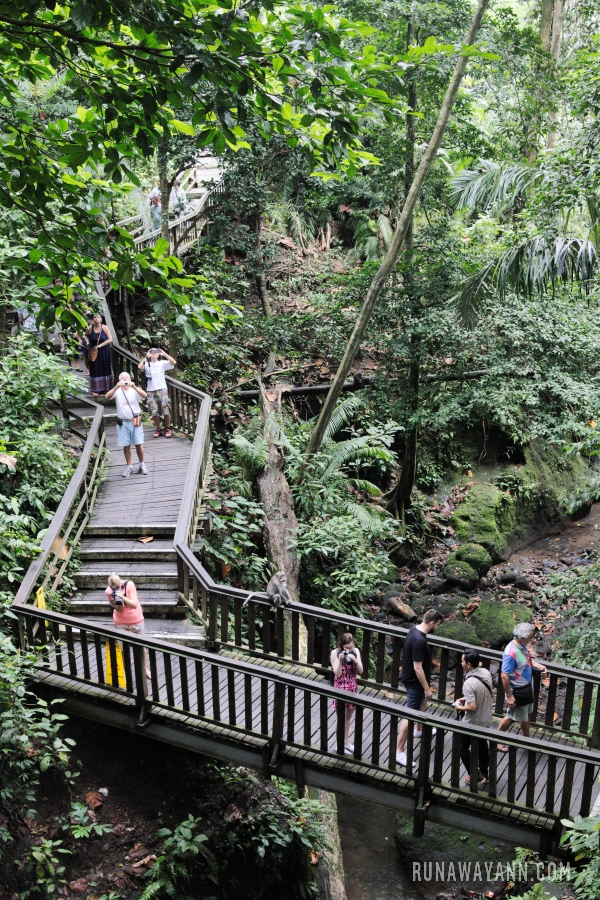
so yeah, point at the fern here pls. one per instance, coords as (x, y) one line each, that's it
(342, 414)
(358, 448)
(253, 455)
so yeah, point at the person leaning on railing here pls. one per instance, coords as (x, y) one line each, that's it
(127, 610)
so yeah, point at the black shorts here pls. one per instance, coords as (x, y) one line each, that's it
(414, 696)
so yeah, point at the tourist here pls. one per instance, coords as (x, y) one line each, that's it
(416, 673)
(346, 664)
(178, 199)
(517, 680)
(99, 340)
(129, 421)
(156, 212)
(127, 611)
(477, 706)
(156, 387)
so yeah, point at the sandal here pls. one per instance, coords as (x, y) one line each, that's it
(167, 432)
(157, 433)
(502, 748)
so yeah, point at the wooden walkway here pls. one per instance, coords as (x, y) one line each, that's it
(243, 695)
(142, 504)
(248, 703)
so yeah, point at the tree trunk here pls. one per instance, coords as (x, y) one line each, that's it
(546, 24)
(330, 868)
(163, 158)
(281, 524)
(400, 499)
(557, 19)
(391, 256)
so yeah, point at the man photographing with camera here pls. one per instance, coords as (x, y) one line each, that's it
(129, 421)
(158, 396)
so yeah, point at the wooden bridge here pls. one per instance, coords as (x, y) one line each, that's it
(246, 685)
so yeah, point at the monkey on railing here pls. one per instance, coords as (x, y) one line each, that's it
(277, 592)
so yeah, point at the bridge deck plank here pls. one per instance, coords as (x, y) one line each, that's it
(481, 800)
(143, 499)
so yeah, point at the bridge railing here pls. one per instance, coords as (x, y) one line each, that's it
(566, 700)
(73, 513)
(182, 231)
(295, 719)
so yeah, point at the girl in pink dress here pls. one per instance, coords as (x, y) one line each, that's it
(346, 664)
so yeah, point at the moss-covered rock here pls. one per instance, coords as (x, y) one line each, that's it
(485, 517)
(509, 503)
(458, 631)
(460, 574)
(494, 621)
(477, 557)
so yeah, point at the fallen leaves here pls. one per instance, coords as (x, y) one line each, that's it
(94, 799)
(232, 813)
(80, 886)
(471, 607)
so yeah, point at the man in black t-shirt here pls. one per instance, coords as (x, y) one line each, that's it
(416, 673)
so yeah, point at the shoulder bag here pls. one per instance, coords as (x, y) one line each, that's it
(92, 354)
(523, 693)
(137, 417)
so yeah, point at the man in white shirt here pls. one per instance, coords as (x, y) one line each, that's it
(129, 421)
(158, 396)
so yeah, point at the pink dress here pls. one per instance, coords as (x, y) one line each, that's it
(346, 682)
(127, 615)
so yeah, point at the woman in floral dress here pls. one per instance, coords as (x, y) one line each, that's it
(346, 664)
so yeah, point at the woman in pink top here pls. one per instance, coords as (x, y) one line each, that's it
(127, 611)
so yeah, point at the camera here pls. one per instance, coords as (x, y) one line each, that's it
(347, 656)
(116, 600)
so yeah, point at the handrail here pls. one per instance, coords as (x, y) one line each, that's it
(323, 688)
(429, 779)
(176, 229)
(74, 488)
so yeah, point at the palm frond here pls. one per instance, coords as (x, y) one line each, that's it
(254, 455)
(593, 207)
(491, 187)
(535, 266)
(342, 415)
(384, 226)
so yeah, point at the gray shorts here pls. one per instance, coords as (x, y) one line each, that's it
(519, 713)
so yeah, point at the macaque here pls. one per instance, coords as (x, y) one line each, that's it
(278, 592)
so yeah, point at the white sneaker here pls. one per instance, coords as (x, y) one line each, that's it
(142, 469)
(349, 749)
(417, 734)
(401, 758)
(128, 471)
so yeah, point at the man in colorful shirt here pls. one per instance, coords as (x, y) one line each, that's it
(517, 674)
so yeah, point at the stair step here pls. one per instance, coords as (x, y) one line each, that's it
(127, 549)
(163, 603)
(146, 582)
(176, 631)
(141, 530)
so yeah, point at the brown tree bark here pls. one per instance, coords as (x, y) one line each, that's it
(391, 256)
(557, 20)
